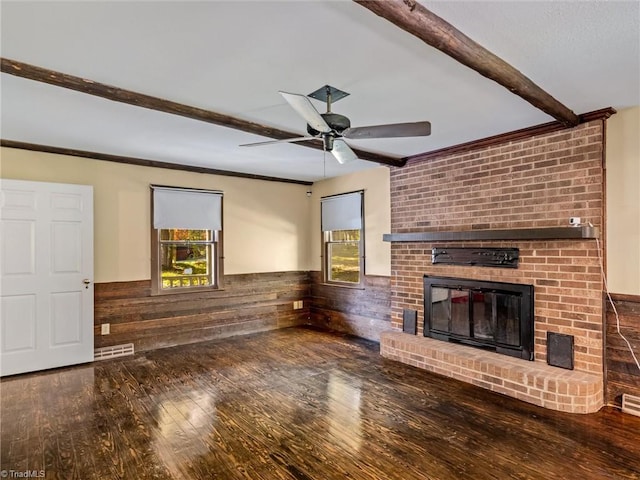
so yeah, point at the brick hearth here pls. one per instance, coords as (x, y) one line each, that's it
(537, 182)
(558, 389)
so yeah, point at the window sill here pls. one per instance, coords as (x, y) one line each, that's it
(342, 285)
(179, 291)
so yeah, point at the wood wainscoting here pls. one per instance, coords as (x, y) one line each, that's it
(363, 312)
(248, 303)
(622, 374)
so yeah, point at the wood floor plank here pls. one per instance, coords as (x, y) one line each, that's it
(294, 404)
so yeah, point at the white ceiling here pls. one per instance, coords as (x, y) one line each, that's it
(232, 57)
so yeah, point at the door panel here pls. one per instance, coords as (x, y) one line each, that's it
(46, 250)
(66, 201)
(18, 247)
(66, 243)
(66, 322)
(18, 323)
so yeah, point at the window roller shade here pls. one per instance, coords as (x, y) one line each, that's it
(342, 212)
(186, 209)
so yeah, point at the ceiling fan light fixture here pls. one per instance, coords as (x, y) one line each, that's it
(328, 141)
(333, 128)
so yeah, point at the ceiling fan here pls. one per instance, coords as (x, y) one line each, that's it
(333, 128)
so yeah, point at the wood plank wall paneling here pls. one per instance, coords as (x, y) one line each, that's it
(248, 303)
(361, 312)
(623, 375)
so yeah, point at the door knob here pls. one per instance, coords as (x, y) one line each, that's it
(86, 282)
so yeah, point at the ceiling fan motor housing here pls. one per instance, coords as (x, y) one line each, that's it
(336, 122)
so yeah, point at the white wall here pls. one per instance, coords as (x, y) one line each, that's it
(623, 201)
(377, 221)
(266, 224)
(275, 227)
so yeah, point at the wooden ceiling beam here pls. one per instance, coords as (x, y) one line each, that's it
(142, 162)
(90, 87)
(415, 19)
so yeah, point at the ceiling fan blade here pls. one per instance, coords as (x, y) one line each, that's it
(342, 151)
(411, 129)
(286, 140)
(306, 110)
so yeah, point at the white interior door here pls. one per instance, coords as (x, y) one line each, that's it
(46, 275)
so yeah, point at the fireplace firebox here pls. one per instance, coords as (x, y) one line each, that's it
(497, 316)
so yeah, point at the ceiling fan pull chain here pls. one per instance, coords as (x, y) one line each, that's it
(324, 161)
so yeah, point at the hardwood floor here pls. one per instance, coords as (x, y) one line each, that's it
(294, 404)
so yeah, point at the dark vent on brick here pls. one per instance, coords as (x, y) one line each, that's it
(560, 350)
(409, 321)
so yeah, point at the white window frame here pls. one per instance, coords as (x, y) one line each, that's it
(160, 222)
(342, 212)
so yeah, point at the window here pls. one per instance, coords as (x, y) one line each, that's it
(185, 239)
(342, 235)
(187, 258)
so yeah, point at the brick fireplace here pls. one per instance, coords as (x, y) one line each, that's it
(533, 185)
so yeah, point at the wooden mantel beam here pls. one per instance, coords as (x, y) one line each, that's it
(83, 85)
(415, 19)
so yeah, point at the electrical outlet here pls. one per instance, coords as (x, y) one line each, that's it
(106, 328)
(575, 221)
(297, 305)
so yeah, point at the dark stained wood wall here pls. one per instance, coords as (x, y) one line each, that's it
(362, 312)
(623, 375)
(248, 303)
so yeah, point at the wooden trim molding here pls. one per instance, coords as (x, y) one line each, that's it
(90, 87)
(142, 162)
(413, 18)
(625, 297)
(513, 136)
(602, 114)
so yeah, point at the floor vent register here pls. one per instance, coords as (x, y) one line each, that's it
(631, 404)
(114, 351)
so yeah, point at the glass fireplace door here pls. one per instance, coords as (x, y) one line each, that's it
(491, 315)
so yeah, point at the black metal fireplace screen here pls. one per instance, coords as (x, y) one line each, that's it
(496, 316)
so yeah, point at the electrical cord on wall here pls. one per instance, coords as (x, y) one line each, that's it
(613, 306)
